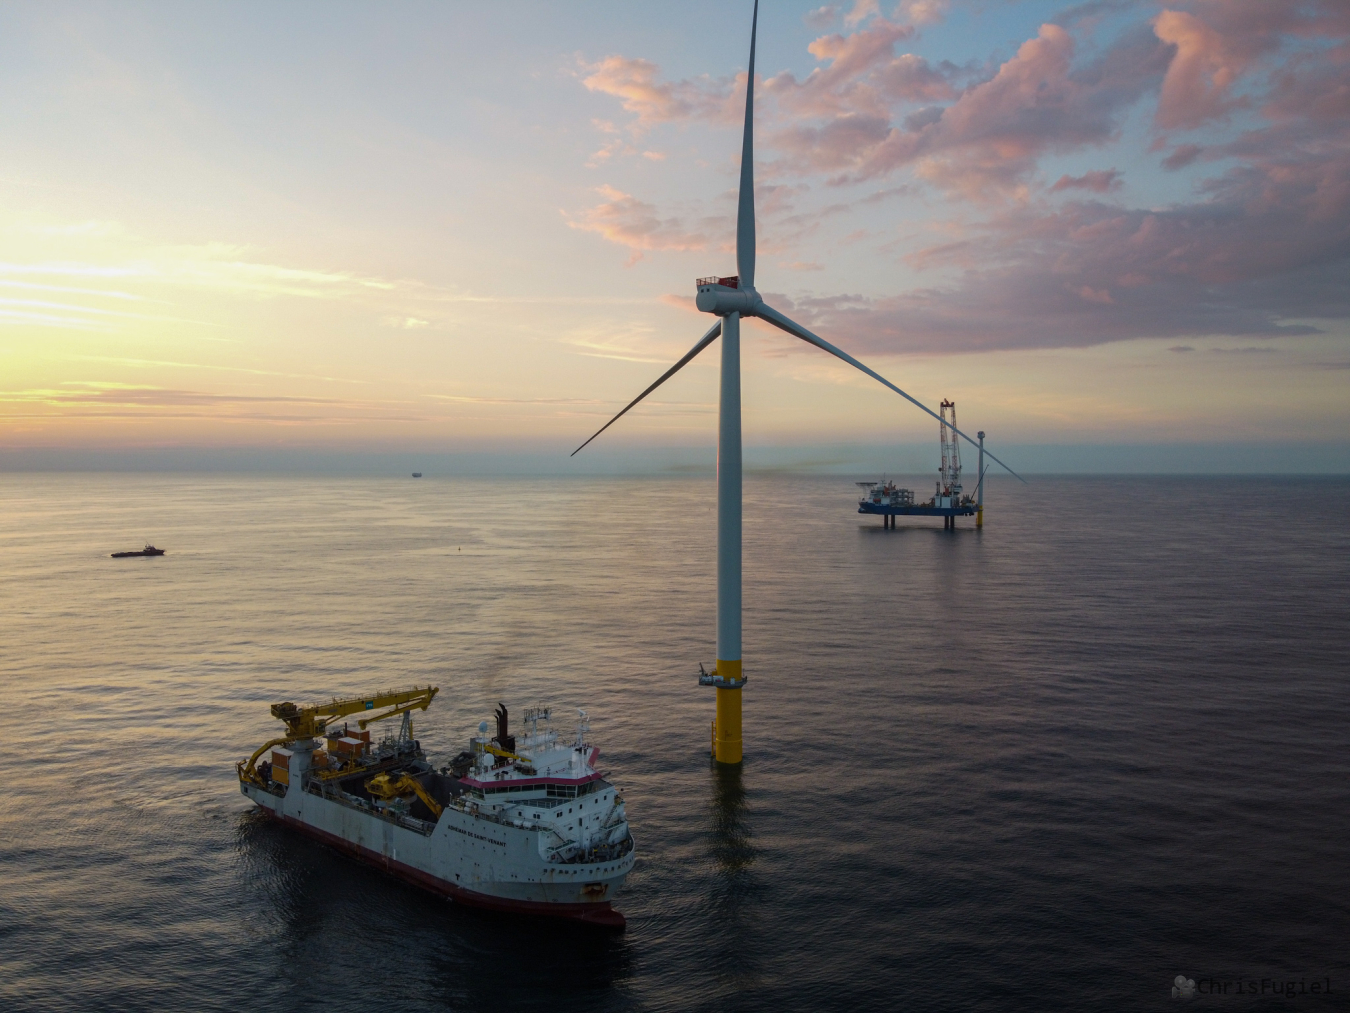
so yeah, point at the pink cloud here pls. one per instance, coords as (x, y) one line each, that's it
(1217, 42)
(1098, 181)
(1200, 79)
(634, 82)
(845, 85)
(862, 10)
(1262, 247)
(1265, 249)
(625, 220)
(990, 138)
(922, 12)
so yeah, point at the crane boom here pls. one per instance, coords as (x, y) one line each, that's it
(951, 452)
(310, 722)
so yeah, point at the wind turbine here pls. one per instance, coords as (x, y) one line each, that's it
(730, 299)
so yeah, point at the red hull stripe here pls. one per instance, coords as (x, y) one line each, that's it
(596, 913)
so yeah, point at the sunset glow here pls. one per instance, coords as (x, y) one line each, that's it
(455, 227)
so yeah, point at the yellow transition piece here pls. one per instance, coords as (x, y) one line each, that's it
(727, 731)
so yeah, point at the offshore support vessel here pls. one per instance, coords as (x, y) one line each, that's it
(522, 824)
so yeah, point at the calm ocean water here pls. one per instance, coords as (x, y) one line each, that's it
(1047, 766)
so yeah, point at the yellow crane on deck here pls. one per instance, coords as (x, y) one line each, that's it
(387, 788)
(311, 722)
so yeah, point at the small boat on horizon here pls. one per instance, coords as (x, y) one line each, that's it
(417, 474)
(149, 550)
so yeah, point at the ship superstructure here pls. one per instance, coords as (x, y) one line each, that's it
(522, 823)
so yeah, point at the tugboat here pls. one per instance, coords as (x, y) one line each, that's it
(524, 824)
(149, 550)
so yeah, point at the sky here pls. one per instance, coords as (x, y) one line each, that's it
(465, 228)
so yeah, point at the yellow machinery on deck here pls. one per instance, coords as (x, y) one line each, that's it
(310, 722)
(387, 788)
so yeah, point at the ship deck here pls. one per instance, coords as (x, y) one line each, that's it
(917, 510)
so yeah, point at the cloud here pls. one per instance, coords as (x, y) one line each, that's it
(1098, 181)
(1314, 86)
(634, 82)
(45, 312)
(855, 116)
(821, 17)
(867, 111)
(208, 266)
(120, 394)
(1183, 156)
(1200, 79)
(1217, 42)
(1260, 249)
(861, 76)
(1264, 253)
(848, 114)
(922, 12)
(862, 10)
(92, 400)
(633, 223)
(986, 142)
(1182, 348)
(460, 398)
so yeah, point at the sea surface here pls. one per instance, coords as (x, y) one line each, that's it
(1049, 765)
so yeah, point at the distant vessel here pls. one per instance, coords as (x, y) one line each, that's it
(890, 501)
(521, 824)
(149, 550)
(948, 502)
(417, 474)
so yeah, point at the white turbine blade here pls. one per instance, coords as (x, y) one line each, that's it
(770, 314)
(745, 205)
(704, 342)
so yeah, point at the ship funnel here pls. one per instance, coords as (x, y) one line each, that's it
(505, 740)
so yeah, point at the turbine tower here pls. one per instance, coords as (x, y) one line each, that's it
(731, 299)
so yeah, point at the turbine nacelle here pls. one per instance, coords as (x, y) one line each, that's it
(723, 296)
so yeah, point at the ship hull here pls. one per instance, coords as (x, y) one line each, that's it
(463, 858)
